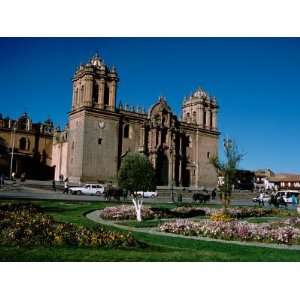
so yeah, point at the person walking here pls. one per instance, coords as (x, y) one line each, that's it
(1, 179)
(261, 199)
(213, 194)
(53, 185)
(66, 186)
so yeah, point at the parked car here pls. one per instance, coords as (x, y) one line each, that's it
(147, 194)
(266, 198)
(88, 189)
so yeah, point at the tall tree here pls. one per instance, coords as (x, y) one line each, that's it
(227, 168)
(136, 174)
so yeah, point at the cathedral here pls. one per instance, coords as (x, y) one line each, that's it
(100, 133)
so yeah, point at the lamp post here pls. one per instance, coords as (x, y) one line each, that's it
(13, 135)
(172, 183)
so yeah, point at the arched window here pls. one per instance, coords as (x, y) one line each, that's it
(204, 118)
(106, 96)
(126, 131)
(188, 117)
(194, 117)
(95, 92)
(22, 143)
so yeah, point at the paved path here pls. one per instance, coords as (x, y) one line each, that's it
(95, 216)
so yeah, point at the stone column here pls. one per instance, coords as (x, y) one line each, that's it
(214, 119)
(112, 95)
(101, 93)
(180, 160)
(207, 121)
(74, 97)
(142, 139)
(200, 115)
(88, 91)
(170, 169)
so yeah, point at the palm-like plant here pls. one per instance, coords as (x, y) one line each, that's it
(228, 169)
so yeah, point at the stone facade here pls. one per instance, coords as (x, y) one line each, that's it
(100, 134)
(32, 143)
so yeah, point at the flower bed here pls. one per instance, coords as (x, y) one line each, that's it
(247, 212)
(287, 233)
(125, 212)
(25, 224)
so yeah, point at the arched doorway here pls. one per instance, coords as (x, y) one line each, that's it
(162, 170)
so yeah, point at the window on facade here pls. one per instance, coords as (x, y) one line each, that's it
(22, 143)
(106, 96)
(126, 131)
(208, 154)
(204, 118)
(95, 92)
(99, 141)
(28, 144)
(194, 116)
(188, 117)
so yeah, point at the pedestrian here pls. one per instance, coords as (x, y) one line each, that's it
(294, 200)
(66, 186)
(213, 194)
(261, 199)
(1, 179)
(13, 176)
(23, 177)
(53, 185)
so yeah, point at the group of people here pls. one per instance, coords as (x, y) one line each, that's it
(66, 185)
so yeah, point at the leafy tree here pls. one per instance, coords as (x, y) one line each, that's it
(136, 174)
(227, 169)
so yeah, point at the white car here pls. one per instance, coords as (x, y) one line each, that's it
(88, 189)
(147, 194)
(266, 198)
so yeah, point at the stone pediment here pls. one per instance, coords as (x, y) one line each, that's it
(161, 106)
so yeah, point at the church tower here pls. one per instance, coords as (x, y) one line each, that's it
(93, 123)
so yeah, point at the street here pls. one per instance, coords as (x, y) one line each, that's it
(35, 190)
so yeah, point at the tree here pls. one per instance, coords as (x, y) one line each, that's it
(228, 169)
(136, 174)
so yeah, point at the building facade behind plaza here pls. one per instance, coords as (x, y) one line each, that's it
(31, 144)
(101, 133)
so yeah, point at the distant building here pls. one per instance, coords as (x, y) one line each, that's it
(101, 133)
(286, 181)
(262, 177)
(32, 143)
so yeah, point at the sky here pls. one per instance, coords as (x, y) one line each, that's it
(255, 80)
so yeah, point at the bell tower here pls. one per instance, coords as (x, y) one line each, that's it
(95, 85)
(93, 123)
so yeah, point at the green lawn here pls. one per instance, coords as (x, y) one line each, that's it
(158, 248)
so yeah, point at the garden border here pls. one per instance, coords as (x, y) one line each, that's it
(95, 216)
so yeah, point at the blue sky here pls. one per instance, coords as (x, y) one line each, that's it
(255, 80)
